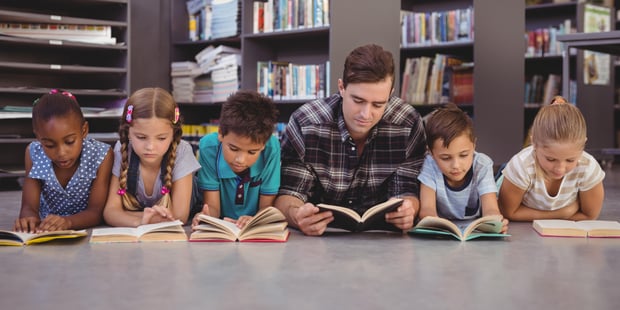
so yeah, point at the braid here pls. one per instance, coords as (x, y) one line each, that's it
(165, 200)
(128, 200)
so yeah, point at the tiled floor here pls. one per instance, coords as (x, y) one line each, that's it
(10, 199)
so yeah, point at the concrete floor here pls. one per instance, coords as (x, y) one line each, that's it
(337, 271)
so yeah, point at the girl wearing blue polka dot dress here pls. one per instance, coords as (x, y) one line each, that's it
(153, 169)
(67, 174)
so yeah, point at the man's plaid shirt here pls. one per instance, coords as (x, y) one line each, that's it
(320, 162)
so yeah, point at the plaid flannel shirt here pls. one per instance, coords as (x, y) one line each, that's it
(320, 162)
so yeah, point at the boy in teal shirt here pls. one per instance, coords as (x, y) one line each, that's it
(240, 172)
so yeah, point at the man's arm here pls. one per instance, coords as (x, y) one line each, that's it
(304, 216)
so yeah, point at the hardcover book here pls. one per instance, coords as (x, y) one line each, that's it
(486, 226)
(372, 219)
(164, 231)
(566, 228)
(268, 225)
(19, 238)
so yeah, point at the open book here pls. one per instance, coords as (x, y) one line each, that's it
(372, 219)
(164, 231)
(566, 228)
(8, 237)
(268, 225)
(486, 226)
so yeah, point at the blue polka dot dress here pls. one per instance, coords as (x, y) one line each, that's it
(74, 198)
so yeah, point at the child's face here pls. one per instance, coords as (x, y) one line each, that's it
(455, 160)
(150, 139)
(61, 138)
(558, 159)
(239, 151)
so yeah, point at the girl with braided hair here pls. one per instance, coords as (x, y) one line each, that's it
(153, 168)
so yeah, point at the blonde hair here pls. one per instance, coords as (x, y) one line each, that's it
(147, 103)
(559, 123)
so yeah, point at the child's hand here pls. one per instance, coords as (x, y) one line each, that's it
(241, 221)
(27, 224)
(54, 222)
(156, 214)
(504, 226)
(205, 211)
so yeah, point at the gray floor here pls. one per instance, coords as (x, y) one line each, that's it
(336, 271)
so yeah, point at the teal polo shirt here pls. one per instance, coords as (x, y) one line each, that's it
(239, 195)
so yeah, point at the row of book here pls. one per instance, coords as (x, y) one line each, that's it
(282, 80)
(277, 15)
(213, 19)
(540, 89)
(99, 34)
(441, 79)
(424, 28)
(543, 41)
(269, 225)
(192, 133)
(211, 78)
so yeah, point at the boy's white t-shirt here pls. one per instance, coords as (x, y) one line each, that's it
(462, 203)
(522, 171)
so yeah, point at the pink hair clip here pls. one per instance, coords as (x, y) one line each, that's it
(164, 190)
(64, 93)
(128, 117)
(177, 114)
(121, 191)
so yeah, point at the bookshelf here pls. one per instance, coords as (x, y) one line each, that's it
(350, 26)
(182, 48)
(497, 53)
(97, 74)
(596, 102)
(541, 64)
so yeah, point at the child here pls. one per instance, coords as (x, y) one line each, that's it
(153, 168)
(554, 177)
(456, 181)
(67, 174)
(240, 172)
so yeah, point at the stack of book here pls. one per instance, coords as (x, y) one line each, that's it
(226, 21)
(183, 74)
(99, 34)
(220, 66)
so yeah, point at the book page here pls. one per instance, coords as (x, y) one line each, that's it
(437, 223)
(486, 224)
(598, 224)
(143, 229)
(218, 224)
(599, 228)
(346, 211)
(112, 231)
(390, 205)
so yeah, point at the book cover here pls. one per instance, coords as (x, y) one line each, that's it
(14, 238)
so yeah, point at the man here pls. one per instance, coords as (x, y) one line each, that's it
(356, 148)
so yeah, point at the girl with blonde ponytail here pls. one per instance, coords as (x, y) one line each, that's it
(153, 168)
